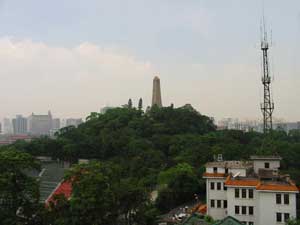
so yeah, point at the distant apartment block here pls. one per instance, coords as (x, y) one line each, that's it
(253, 192)
(7, 126)
(19, 125)
(40, 124)
(73, 122)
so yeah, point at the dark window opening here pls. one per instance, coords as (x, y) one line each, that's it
(215, 169)
(278, 217)
(286, 217)
(219, 186)
(237, 210)
(212, 186)
(212, 203)
(286, 199)
(250, 193)
(244, 210)
(251, 210)
(225, 204)
(244, 193)
(219, 203)
(278, 198)
(237, 192)
(267, 165)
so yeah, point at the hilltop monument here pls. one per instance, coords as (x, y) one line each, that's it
(156, 93)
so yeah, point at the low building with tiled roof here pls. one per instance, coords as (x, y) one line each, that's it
(253, 191)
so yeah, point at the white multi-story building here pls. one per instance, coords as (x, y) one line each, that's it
(251, 191)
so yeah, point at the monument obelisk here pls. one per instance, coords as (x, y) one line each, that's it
(156, 93)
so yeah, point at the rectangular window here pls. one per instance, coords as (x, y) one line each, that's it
(237, 192)
(219, 186)
(212, 185)
(286, 199)
(250, 193)
(278, 198)
(244, 193)
(237, 210)
(219, 203)
(286, 217)
(251, 210)
(244, 210)
(267, 165)
(215, 170)
(225, 204)
(278, 217)
(212, 203)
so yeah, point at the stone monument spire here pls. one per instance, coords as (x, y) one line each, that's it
(156, 94)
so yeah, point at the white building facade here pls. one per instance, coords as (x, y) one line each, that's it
(253, 192)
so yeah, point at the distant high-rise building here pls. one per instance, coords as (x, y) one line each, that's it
(156, 93)
(56, 124)
(73, 122)
(40, 124)
(19, 125)
(7, 126)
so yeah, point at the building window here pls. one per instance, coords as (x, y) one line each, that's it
(225, 204)
(250, 223)
(226, 170)
(212, 185)
(219, 203)
(244, 210)
(244, 193)
(267, 165)
(237, 192)
(219, 185)
(250, 193)
(286, 199)
(251, 210)
(237, 210)
(212, 203)
(224, 187)
(215, 170)
(286, 217)
(278, 198)
(278, 217)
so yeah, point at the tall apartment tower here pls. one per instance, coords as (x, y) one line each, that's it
(156, 93)
(19, 125)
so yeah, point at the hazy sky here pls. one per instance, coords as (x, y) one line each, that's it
(76, 56)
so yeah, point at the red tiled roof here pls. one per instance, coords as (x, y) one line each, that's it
(277, 187)
(64, 188)
(246, 183)
(214, 175)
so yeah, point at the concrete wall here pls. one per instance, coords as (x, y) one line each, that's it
(260, 164)
(216, 213)
(232, 202)
(268, 208)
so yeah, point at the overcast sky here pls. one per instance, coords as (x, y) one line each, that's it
(76, 56)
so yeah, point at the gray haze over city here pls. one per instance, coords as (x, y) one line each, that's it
(74, 57)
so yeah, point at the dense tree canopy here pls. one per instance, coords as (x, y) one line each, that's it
(162, 149)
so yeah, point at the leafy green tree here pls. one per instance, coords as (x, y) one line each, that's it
(19, 193)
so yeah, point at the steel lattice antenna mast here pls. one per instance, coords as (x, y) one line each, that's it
(267, 107)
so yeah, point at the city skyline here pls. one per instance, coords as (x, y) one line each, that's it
(73, 69)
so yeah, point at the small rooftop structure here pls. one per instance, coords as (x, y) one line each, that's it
(230, 164)
(265, 157)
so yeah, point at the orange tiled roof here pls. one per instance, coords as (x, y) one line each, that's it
(245, 183)
(277, 187)
(214, 175)
(64, 188)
